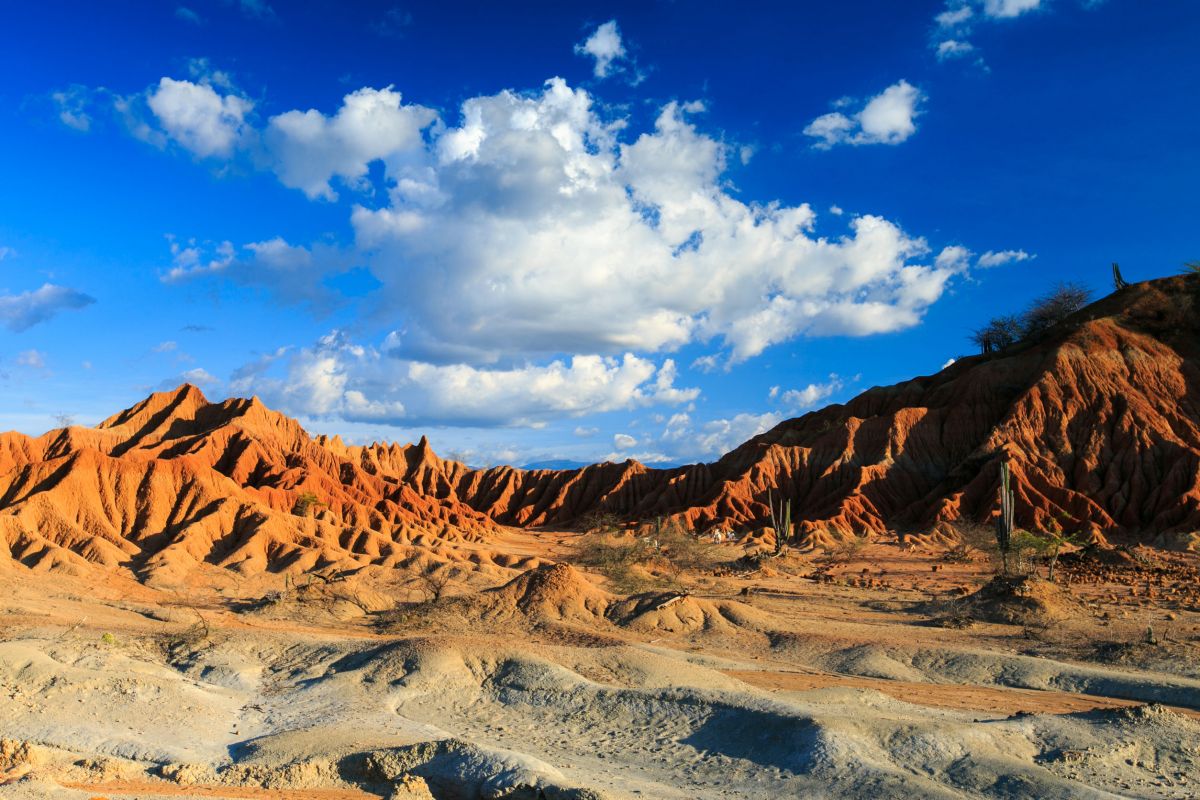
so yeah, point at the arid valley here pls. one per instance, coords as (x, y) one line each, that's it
(200, 599)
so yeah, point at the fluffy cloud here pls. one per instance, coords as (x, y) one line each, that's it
(533, 226)
(887, 118)
(959, 14)
(531, 229)
(605, 46)
(994, 258)
(685, 439)
(623, 441)
(812, 395)
(340, 378)
(310, 149)
(199, 118)
(959, 18)
(21, 311)
(1006, 9)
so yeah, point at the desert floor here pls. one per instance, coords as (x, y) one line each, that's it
(868, 673)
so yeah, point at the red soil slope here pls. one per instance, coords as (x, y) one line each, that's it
(1100, 420)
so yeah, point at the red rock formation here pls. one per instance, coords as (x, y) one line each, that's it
(1100, 420)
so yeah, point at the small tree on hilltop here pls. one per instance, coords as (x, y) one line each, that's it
(999, 334)
(1052, 308)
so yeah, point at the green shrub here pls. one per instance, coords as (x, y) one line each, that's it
(304, 503)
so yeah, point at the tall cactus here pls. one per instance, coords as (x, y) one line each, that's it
(781, 521)
(1119, 281)
(1004, 522)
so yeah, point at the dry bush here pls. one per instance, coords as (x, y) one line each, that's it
(432, 584)
(845, 550)
(599, 522)
(974, 538)
(617, 557)
(661, 555)
(998, 335)
(1053, 307)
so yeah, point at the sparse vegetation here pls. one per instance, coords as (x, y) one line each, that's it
(1053, 307)
(660, 554)
(598, 521)
(305, 503)
(433, 583)
(845, 550)
(781, 523)
(1001, 333)
(998, 335)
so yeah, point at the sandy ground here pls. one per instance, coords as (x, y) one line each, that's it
(813, 677)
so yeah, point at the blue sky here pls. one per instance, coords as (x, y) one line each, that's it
(566, 230)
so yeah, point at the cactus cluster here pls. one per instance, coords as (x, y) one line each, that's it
(781, 521)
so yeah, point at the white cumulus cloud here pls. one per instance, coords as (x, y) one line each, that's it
(958, 19)
(993, 258)
(887, 118)
(1006, 9)
(198, 117)
(605, 46)
(535, 236)
(310, 149)
(530, 228)
(812, 395)
(623, 441)
(686, 439)
(340, 378)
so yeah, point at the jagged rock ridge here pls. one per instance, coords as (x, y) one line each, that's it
(1100, 420)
